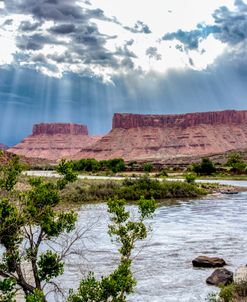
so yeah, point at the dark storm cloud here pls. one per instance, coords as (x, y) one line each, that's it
(152, 52)
(127, 63)
(232, 24)
(84, 43)
(125, 52)
(62, 10)
(138, 28)
(8, 22)
(34, 42)
(230, 27)
(191, 39)
(63, 29)
(27, 26)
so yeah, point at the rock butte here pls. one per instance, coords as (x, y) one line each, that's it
(54, 141)
(164, 138)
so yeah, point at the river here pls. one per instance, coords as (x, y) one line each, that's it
(181, 230)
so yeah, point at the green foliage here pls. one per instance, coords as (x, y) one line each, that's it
(236, 163)
(92, 165)
(9, 173)
(147, 167)
(36, 296)
(66, 169)
(162, 173)
(190, 178)
(130, 189)
(120, 283)
(49, 266)
(206, 167)
(7, 290)
(90, 289)
(227, 293)
(24, 225)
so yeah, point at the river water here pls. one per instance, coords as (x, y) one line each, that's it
(181, 230)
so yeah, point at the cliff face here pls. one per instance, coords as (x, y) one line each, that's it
(163, 138)
(127, 121)
(59, 128)
(54, 141)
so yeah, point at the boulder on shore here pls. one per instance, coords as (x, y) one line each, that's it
(220, 276)
(204, 261)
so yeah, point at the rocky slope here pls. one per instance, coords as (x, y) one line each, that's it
(54, 141)
(164, 138)
(3, 147)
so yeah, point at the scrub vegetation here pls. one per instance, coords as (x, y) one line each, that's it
(29, 220)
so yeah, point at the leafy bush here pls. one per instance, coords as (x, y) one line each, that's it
(236, 163)
(206, 167)
(92, 165)
(190, 178)
(130, 189)
(147, 167)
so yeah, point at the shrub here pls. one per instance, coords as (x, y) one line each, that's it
(236, 163)
(147, 167)
(206, 167)
(190, 178)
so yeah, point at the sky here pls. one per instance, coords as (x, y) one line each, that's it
(83, 60)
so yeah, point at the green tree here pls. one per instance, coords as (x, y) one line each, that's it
(31, 220)
(206, 167)
(127, 232)
(24, 225)
(236, 163)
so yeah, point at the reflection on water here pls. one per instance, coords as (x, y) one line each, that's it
(182, 230)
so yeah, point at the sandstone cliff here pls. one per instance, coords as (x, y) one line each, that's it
(54, 141)
(162, 138)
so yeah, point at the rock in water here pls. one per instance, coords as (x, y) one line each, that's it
(171, 138)
(54, 141)
(204, 261)
(220, 276)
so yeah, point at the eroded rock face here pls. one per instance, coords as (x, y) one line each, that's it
(54, 141)
(166, 138)
(59, 128)
(127, 121)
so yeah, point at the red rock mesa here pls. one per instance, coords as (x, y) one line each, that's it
(160, 138)
(54, 141)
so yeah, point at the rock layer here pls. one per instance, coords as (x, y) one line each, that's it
(54, 141)
(164, 138)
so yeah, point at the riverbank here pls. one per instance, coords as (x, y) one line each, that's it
(89, 189)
